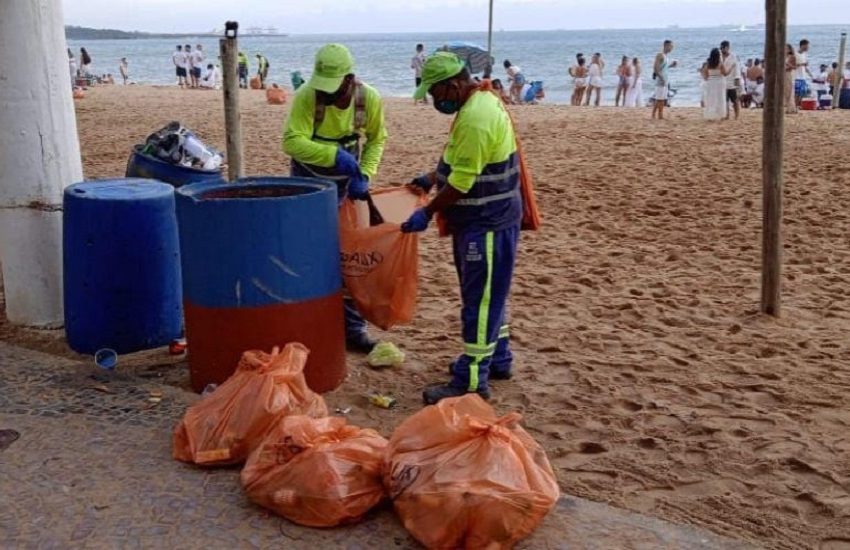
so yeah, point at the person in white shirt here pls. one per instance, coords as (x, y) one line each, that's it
(661, 75)
(820, 83)
(594, 83)
(733, 78)
(210, 79)
(197, 63)
(416, 64)
(179, 59)
(516, 80)
(801, 86)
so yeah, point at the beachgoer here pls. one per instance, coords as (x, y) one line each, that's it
(634, 95)
(516, 80)
(210, 79)
(846, 80)
(622, 73)
(322, 137)
(594, 84)
(820, 81)
(579, 80)
(124, 69)
(661, 75)
(753, 73)
(478, 196)
(715, 73)
(416, 64)
(833, 69)
(790, 72)
(85, 63)
(180, 61)
(72, 68)
(262, 70)
(802, 72)
(758, 93)
(500, 89)
(190, 68)
(243, 69)
(197, 62)
(732, 76)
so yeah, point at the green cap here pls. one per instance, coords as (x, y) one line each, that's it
(438, 67)
(333, 63)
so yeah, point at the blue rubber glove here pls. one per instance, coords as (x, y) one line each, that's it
(358, 187)
(418, 221)
(346, 164)
(422, 182)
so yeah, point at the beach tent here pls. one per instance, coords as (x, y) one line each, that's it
(478, 59)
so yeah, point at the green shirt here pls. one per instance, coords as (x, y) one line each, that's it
(482, 134)
(298, 140)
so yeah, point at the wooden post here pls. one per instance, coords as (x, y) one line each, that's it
(773, 131)
(229, 49)
(838, 77)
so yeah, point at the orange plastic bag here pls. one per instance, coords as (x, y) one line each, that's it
(79, 93)
(460, 477)
(317, 472)
(226, 425)
(380, 264)
(255, 82)
(275, 95)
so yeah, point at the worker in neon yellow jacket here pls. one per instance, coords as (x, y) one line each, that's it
(335, 131)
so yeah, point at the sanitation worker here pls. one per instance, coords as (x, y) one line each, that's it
(479, 199)
(335, 131)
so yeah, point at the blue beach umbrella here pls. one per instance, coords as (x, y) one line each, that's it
(478, 60)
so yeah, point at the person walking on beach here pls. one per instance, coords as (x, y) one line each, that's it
(594, 84)
(179, 60)
(262, 70)
(242, 64)
(661, 75)
(622, 81)
(416, 64)
(478, 196)
(124, 70)
(715, 99)
(731, 74)
(634, 94)
(802, 72)
(790, 72)
(516, 80)
(85, 63)
(579, 81)
(322, 136)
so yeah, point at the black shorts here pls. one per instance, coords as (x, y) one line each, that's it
(243, 71)
(732, 95)
(181, 71)
(196, 72)
(418, 81)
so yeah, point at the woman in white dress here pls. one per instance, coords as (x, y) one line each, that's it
(594, 84)
(634, 95)
(715, 87)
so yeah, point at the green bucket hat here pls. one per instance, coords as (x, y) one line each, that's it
(333, 63)
(438, 67)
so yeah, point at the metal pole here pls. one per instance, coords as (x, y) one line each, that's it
(490, 42)
(838, 77)
(772, 154)
(229, 48)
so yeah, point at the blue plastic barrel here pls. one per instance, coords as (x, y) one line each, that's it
(121, 265)
(260, 269)
(146, 166)
(844, 99)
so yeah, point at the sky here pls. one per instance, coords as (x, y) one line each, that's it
(380, 16)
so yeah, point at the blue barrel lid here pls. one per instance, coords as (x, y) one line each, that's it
(277, 188)
(130, 189)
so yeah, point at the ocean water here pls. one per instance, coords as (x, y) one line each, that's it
(383, 60)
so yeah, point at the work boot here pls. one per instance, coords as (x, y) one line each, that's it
(494, 374)
(434, 394)
(361, 343)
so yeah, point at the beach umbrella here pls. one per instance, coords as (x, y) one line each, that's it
(478, 59)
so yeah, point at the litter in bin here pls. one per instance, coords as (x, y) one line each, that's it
(226, 425)
(317, 472)
(178, 145)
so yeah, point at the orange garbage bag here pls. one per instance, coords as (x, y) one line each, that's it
(275, 95)
(255, 83)
(317, 472)
(79, 93)
(226, 425)
(460, 477)
(380, 264)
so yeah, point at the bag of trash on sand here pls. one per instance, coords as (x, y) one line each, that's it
(461, 477)
(178, 145)
(226, 425)
(317, 472)
(275, 95)
(380, 264)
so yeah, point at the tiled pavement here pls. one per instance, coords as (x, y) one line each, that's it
(92, 468)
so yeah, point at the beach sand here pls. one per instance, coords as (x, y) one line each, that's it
(642, 363)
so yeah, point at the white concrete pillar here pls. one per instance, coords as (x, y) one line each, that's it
(39, 157)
